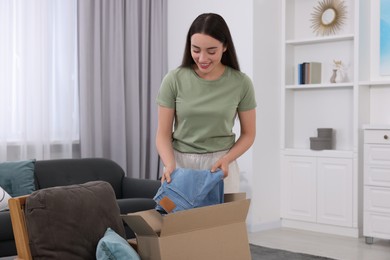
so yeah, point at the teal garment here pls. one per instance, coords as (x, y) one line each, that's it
(205, 110)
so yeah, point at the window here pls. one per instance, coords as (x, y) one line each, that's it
(38, 79)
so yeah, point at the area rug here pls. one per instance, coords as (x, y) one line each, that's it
(265, 253)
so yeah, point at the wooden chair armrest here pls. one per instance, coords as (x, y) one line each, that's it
(16, 206)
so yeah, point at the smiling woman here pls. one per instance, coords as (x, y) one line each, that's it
(202, 99)
(38, 79)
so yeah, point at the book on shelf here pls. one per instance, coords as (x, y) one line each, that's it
(309, 73)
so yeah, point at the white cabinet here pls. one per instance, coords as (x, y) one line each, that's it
(317, 190)
(376, 182)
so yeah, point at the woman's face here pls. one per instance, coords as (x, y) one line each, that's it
(207, 53)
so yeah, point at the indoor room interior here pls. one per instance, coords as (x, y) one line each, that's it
(318, 172)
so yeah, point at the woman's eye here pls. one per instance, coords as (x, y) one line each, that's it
(208, 52)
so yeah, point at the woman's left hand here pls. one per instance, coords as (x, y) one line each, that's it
(222, 164)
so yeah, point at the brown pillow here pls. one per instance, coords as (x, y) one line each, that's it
(67, 222)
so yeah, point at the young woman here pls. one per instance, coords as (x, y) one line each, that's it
(201, 100)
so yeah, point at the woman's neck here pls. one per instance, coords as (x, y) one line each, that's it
(215, 74)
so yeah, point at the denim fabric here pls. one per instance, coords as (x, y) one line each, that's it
(191, 189)
(201, 161)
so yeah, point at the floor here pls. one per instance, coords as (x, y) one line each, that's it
(337, 247)
(332, 246)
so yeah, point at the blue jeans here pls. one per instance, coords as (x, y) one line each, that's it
(191, 189)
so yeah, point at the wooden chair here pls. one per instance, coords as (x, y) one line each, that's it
(16, 207)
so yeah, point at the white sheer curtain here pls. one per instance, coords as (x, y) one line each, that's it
(38, 79)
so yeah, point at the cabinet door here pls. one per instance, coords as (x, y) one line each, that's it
(376, 225)
(334, 195)
(299, 188)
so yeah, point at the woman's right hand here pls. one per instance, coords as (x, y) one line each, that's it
(167, 174)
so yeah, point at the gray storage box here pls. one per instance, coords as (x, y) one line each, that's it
(325, 132)
(320, 143)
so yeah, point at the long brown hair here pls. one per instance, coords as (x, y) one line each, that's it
(215, 26)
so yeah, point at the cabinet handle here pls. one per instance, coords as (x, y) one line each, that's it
(385, 137)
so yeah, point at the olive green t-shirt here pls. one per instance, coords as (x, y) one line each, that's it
(205, 110)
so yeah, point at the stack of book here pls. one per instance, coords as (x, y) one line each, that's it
(309, 73)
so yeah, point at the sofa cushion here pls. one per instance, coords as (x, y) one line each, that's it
(113, 246)
(17, 178)
(67, 222)
(61, 172)
(131, 205)
(6, 232)
(7, 248)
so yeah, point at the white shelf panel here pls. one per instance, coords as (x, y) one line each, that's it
(317, 40)
(321, 86)
(375, 127)
(322, 153)
(374, 83)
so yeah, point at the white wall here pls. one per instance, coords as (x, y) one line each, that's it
(237, 14)
(267, 56)
(255, 27)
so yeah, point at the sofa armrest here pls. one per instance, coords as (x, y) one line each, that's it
(139, 188)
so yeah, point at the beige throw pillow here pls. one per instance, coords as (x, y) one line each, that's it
(4, 197)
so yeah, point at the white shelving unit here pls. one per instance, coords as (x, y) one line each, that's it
(320, 188)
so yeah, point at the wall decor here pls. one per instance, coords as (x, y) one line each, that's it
(378, 40)
(385, 38)
(328, 17)
(339, 74)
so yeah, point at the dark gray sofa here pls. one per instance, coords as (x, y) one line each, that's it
(132, 194)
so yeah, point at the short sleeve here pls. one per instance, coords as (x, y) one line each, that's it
(248, 99)
(167, 95)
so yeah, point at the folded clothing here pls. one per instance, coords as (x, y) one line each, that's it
(190, 189)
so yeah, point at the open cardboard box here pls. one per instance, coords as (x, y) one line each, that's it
(212, 232)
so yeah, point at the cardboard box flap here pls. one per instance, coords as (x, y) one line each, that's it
(139, 225)
(229, 197)
(205, 217)
(146, 223)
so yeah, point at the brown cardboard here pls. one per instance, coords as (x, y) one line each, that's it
(213, 232)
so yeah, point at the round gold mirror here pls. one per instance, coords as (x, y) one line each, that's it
(328, 17)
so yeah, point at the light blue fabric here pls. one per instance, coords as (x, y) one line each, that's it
(17, 178)
(192, 189)
(114, 247)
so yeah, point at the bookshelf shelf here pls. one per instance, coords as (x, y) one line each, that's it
(375, 83)
(320, 86)
(317, 40)
(324, 153)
